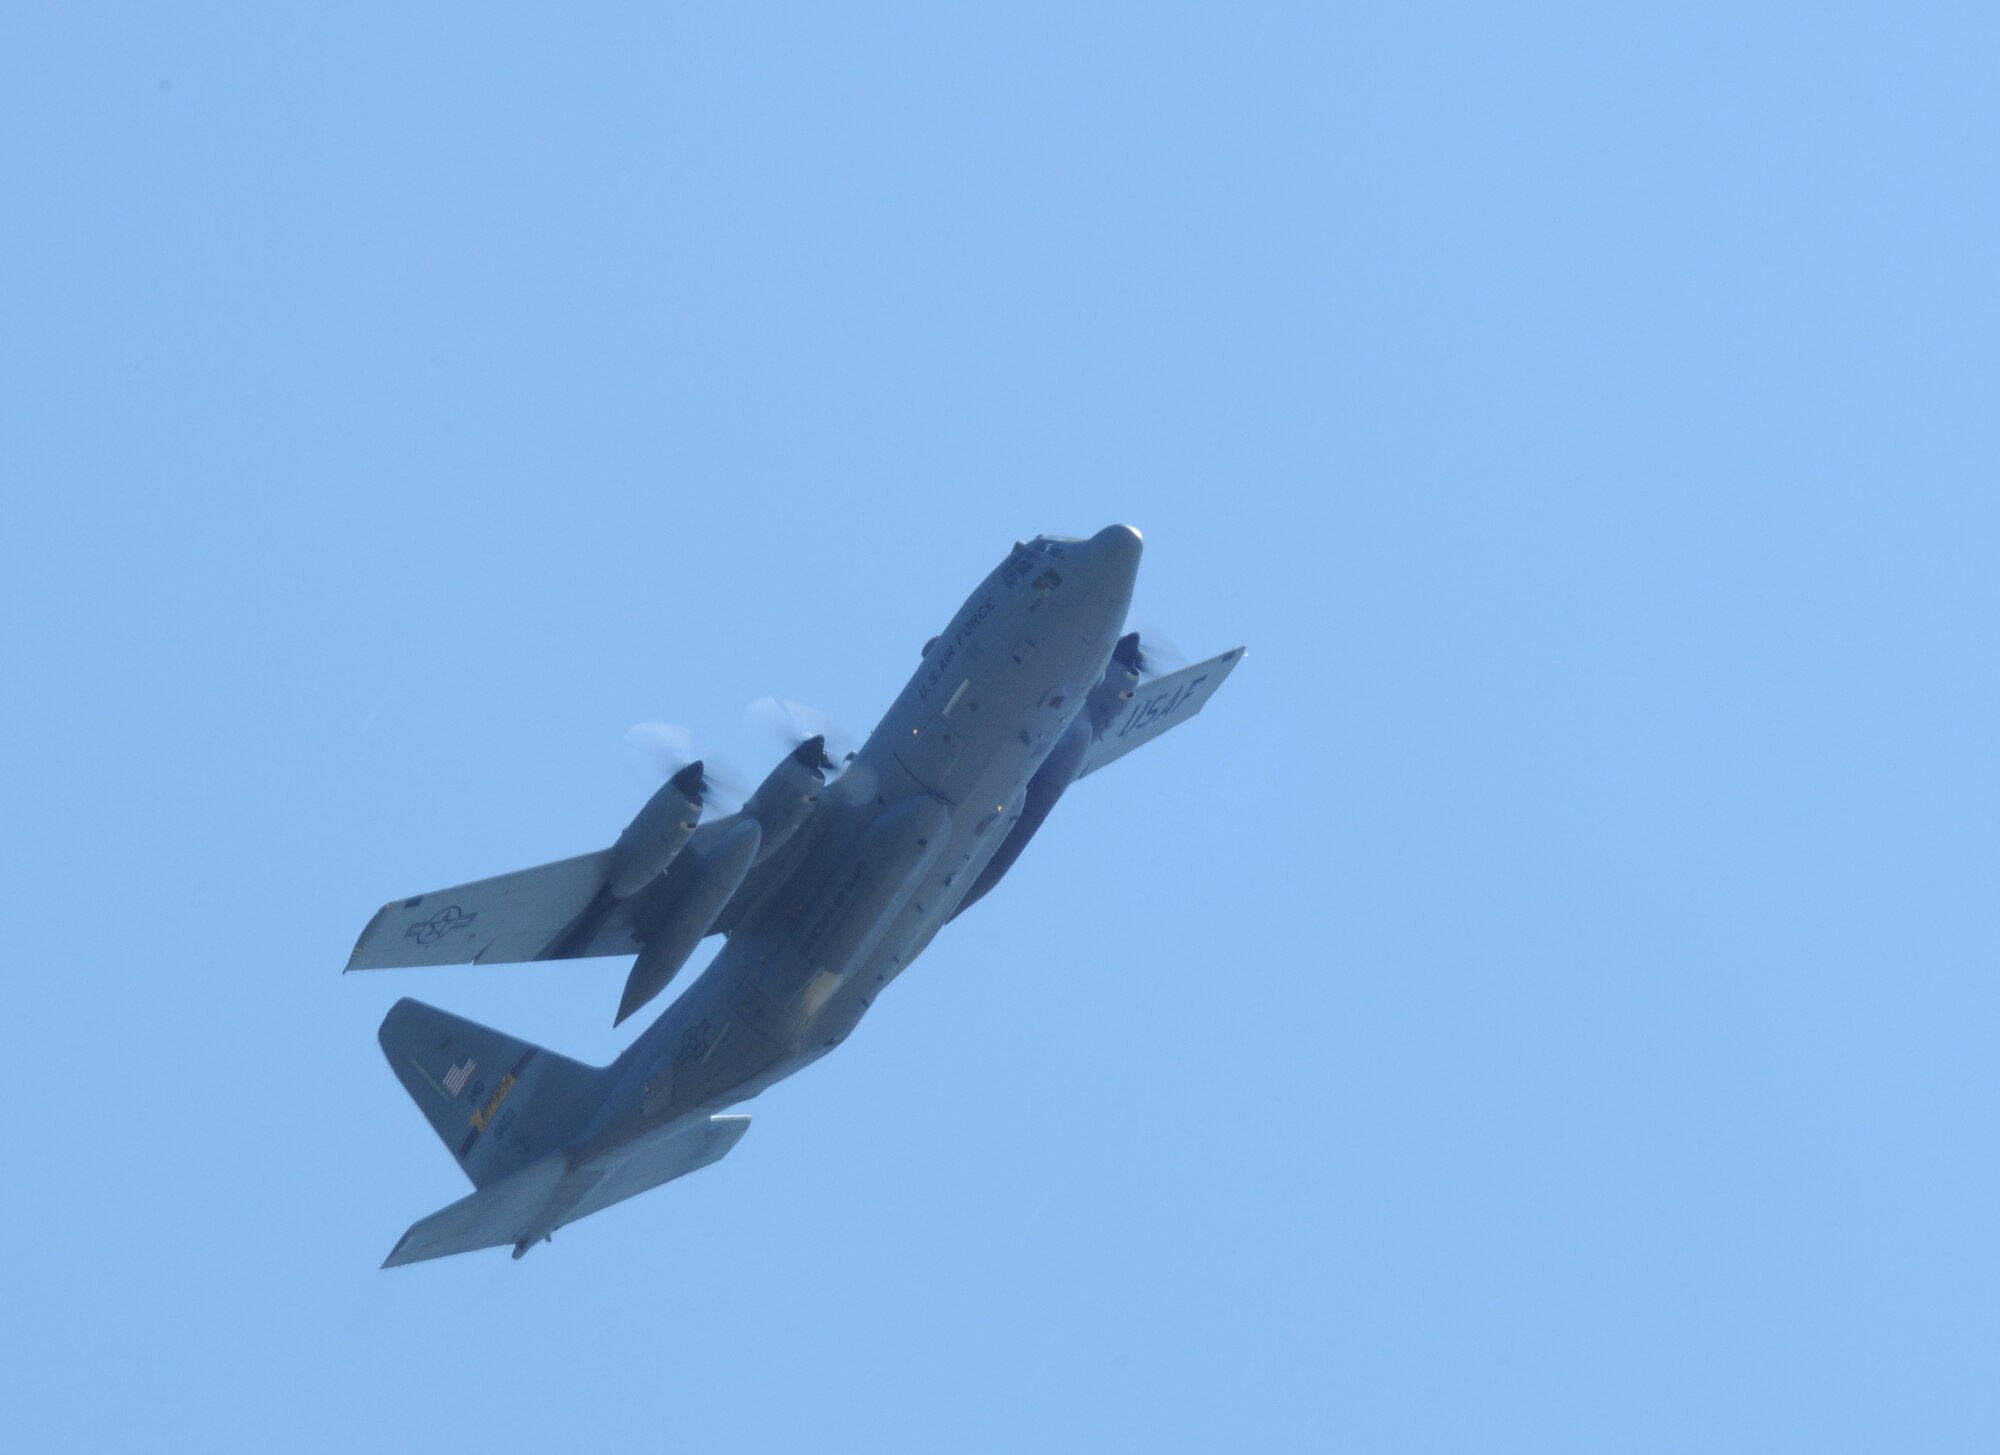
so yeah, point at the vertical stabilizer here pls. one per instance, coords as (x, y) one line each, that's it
(497, 1103)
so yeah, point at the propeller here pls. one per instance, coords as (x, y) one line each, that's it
(812, 753)
(1156, 658)
(1151, 660)
(669, 749)
(797, 726)
(794, 725)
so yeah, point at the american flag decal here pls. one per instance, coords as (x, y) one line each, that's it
(454, 1079)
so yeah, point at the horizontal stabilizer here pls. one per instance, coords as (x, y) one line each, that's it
(492, 1217)
(654, 1162)
(1163, 703)
(532, 1202)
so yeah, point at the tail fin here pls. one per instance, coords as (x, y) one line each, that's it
(498, 1103)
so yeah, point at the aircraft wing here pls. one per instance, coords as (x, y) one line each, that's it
(1165, 702)
(558, 911)
(508, 917)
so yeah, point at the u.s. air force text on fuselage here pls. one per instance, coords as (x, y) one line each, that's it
(826, 892)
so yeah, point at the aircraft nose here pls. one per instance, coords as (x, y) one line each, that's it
(1112, 557)
(1118, 547)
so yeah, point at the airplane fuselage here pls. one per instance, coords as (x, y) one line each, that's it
(891, 851)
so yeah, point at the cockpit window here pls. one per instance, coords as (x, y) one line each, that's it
(1030, 556)
(1019, 564)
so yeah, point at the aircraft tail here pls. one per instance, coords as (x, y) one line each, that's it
(499, 1104)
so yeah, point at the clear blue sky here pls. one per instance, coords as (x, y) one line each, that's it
(1547, 1002)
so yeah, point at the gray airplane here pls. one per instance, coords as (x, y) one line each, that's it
(826, 893)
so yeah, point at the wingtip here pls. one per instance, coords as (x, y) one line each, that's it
(366, 930)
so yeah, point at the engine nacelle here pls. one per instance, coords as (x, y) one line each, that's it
(657, 834)
(707, 878)
(783, 800)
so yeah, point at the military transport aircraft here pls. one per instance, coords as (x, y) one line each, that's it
(826, 892)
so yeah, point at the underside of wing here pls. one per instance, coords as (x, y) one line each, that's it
(509, 917)
(560, 911)
(1161, 704)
